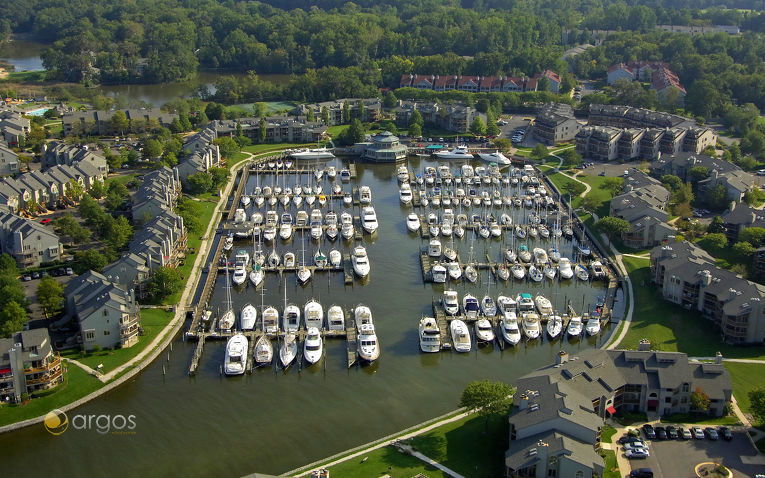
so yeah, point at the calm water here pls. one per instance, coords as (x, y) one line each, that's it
(275, 421)
(25, 56)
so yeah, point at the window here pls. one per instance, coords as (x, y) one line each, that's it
(90, 334)
(106, 313)
(106, 332)
(668, 400)
(580, 474)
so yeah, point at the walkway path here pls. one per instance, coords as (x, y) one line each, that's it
(587, 187)
(613, 343)
(429, 461)
(82, 366)
(395, 442)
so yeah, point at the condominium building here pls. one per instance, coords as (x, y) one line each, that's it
(28, 365)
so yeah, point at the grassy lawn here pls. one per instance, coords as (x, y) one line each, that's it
(701, 419)
(628, 418)
(76, 385)
(336, 130)
(236, 158)
(465, 448)
(387, 460)
(152, 321)
(746, 377)
(25, 77)
(611, 469)
(122, 179)
(607, 434)
(603, 196)
(670, 327)
(263, 148)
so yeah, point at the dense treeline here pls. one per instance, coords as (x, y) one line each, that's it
(112, 41)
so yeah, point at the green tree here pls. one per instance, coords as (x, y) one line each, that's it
(539, 151)
(671, 182)
(214, 111)
(716, 226)
(415, 130)
(543, 84)
(612, 185)
(74, 190)
(8, 265)
(714, 242)
(310, 115)
(754, 197)
(262, 130)
(90, 259)
(11, 290)
(390, 100)
(716, 197)
(571, 157)
(477, 127)
(219, 177)
(165, 281)
(488, 398)
(612, 226)
(50, 295)
(502, 144)
(491, 124)
(97, 190)
(574, 188)
(227, 146)
(12, 319)
(325, 115)
(259, 109)
(119, 122)
(698, 173)
(152, 148)
(699, 400)
(590, 203)
(361, 109)
(757, 404)
(89, 208)
(346, 112)
(753, 235)
(743, 250)
(416, 118)
(200, 183)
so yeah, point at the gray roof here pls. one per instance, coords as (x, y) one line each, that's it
(519, 455)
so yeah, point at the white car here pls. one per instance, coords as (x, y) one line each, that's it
(636, 454)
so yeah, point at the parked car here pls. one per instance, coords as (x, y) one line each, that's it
(26, 278)
(761, 172)
(661, 433)
(712, 433)
(648, 431)
(636, 446)
(69, 271)
(698, 433)
(725, 433)
(629, 439)
(35, 275)
(637, 454)
(641, 473)
(684, 433)
(672, 432)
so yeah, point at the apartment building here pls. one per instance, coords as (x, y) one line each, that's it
(28, 365)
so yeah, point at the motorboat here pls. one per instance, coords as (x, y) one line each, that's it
(369, 219)
(288, 350)
(360, 261)
(430, 335)
(460, 152)
(313, 345)
(269, 233)
(345, 175)
(511, 333)
(549, 271)
(236, 355)
(495, 157)
(312, 153)
(434, 248)
(535, 274)
(488, 306)
(530, 322)
(543, 305)
(439, 273)
(495, 229)
(313, 314)
(285, 229)
(270, 319)
(347, 230)
(510, 255)
(454, 270)
(525, 303)
(405, 194)
(540, 256)
(413, 222)
(316, 216)
(554, 326)
(240, 216)
(518, 271)
(446, 230)
(248, 317)
(581, 272)
(470, 273)
(316, 230)
(242, 258)
(365, 195)
(592, 326)
(574, 328)
(335, 258)
(553, 254)
(239, 276)
(484, 332)
(335, 318)
(503, 273)
(228, 242)
(402, 173)
(257, 275)
(458, 231)
(291, 318)
(567, 231)
(451, 302)
(332, 172)
(368, 348)
(598, 271)
(264, 351)
(505, 219)
(520, 232)
(320, 259)
(460, 335)
(470, 306)
(564, 268)
(289, 259)
(506, 304)
(332, 232)
(362, 315)
(347, 199)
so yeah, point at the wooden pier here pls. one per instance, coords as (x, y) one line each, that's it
(351, 339)
(347, 269)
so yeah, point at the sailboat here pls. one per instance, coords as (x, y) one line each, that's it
(303, 272)
(288, 349)
(264, 351)
(226, 322)
(248, 317)
(554, 326)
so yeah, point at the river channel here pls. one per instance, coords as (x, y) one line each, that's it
(273, 421)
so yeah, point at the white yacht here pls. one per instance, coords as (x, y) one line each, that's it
(335, 258)
(451, 302)
(368, 348)
(488, 306)
(484, 331)
(535, 274)
(369, 219)
(454, 270)
(470, 273)
(593, 325)
(495, 157)
(313, 314)
(335, 318)
(312, 153)
(460, 336)
(228, 243)
(564, 268)
(236, 355)
(405, 194)
(347, 230)
(460, 152)
(530, 322)
(430, 335)
(316, 230)
(402, 173)
(509, 327)
(285, 229)
(581, 272)
(303, 274)
(288, 350)
(257, 275)
(360, 261)
(248, 317)
(270, 318)
(365, 195)
(413, 222)
(574, 328)
(264, 351)
(525, 302)
(434, 248)
(470, 306)
(543, 304)
(239, 276)
(518, 271)
(291, 318)
(598, 271)
(313, 346)
(439, 273)
(289, 259)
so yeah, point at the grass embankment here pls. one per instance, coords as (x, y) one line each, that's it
(670, 327)
(77, 384)
(611, 469)
(701, 419)
(746, 377)
(607, 434)
(152, 322)
(264, 148)
(385, 461)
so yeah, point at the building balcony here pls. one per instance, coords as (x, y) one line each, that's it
(47, 378)
(55, 363)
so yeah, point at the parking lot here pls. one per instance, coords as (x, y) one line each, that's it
(678, 458)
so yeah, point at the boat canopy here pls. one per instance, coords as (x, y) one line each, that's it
(435, 146)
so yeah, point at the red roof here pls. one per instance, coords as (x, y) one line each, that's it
(445, 80)
(467, 79)
(552, 76)
(611, 410)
